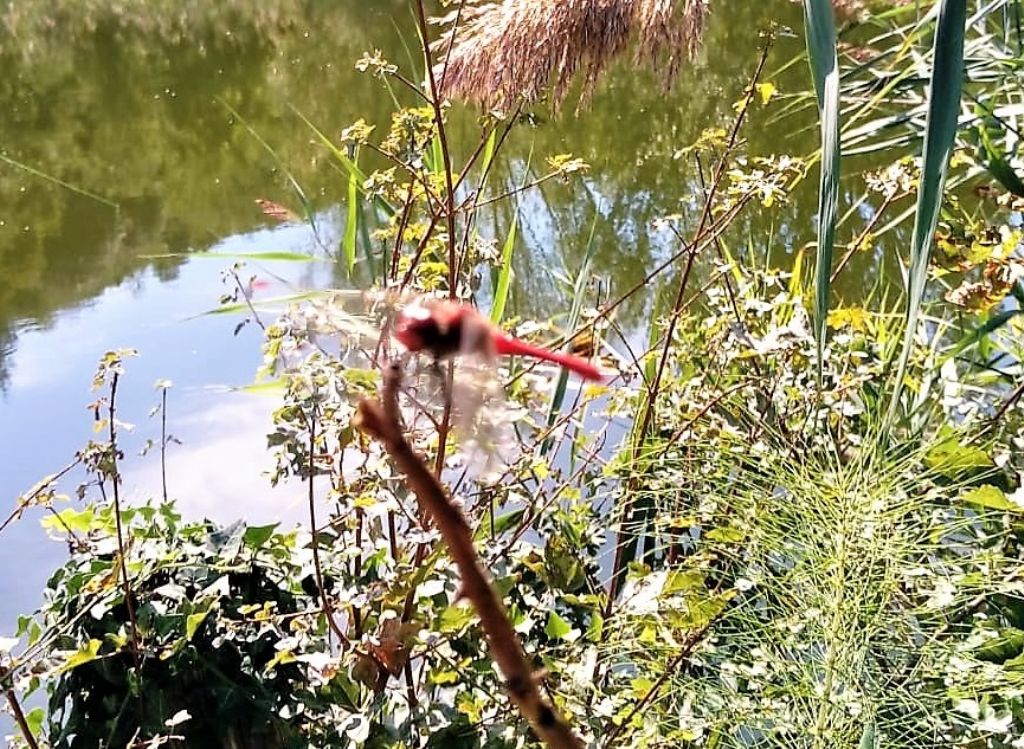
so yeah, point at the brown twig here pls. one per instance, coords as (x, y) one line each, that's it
(116, 481)
(695, 638)
(317, 569)
(16, 711)
(442, 136)
(26, 500)
(380, 420)
(856, 244)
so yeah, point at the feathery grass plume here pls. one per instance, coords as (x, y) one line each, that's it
(512, 51)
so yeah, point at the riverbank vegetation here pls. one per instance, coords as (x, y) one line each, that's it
(791, 517)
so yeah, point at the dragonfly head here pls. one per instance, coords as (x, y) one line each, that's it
(415, 327)
(430, 326)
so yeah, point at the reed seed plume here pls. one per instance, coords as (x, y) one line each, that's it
(513, 51)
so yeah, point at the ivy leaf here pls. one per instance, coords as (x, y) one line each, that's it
(991, 497)
(79, 521)
(192, 622)
(85, 654)
(557, 628)
(455, 618)
(257, 535)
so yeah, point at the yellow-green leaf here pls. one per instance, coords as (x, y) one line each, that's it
(557, 628)
(992, 497)
(85, 654)
(192, 622)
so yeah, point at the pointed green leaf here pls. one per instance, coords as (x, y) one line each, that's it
(557, 628)
(85, 654)
(819, 26)
(940, 131)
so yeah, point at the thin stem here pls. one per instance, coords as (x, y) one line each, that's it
(116, 480)
(163, 442)
(442, 135)
(16, 711)
(324, 601)
(655, 387)
(26, 500)
(247, 296)
(856, 244)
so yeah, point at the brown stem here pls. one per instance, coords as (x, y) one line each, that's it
(691, 642)
(26, 500)
(379, 419)
(324, 601)
(435, 102)
(116, 480)
(16, 711)
(855, 245)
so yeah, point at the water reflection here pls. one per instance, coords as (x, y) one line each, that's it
(219, 469)
(128, 107)
(133, 108)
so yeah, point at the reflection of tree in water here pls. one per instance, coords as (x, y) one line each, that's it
(124, 104)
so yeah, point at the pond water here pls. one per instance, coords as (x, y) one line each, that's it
(118, 144)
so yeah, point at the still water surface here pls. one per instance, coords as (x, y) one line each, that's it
(119, 121)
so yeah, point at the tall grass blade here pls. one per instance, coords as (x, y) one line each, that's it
(940, 132)
(290, 257)
(572, 323)
(819, 26)
(488, 155)
(504, 281)
(350, 167)
(348, 244)
(307, 205)
(59, 182)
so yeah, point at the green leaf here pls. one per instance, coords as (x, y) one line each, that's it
(557, 628)
(726, 534)
(79, 521)
(455, 618)
(257, 535)
(292, 257)
(1008, 644)
(953, 459)
(992, 155)
(595, 631)
(192, 623)
(819, 26)
(940, 132)
(501, 524)
(85, 654)
(504, 272)
(868, 737)
(980, 333)
(991, 497)
(34, 718)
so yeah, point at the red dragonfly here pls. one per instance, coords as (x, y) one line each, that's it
(443, 328)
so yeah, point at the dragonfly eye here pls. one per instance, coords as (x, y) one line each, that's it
(413, 331)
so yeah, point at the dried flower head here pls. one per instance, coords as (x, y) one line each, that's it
(512, 51)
